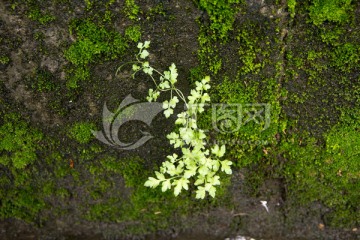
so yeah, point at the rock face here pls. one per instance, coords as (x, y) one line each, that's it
(295, 164)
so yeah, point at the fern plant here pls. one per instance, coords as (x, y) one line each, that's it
(198, 163)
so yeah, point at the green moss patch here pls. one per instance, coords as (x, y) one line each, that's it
(82, 132)
(19, 144)
(93, 42)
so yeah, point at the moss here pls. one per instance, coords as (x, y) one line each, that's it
(143, 201)
(245, 89)
(222, 15)
(149, 209)
(346, 57)
(245, 137)
(34, 10)
(76, 75)
(157, 10)
(195, 74)
(4, 60)
(208, 54)
(248, 65)
(330, 10)
(42, 81)
(291, 4)
(333, 36)
(22, 203)
(88, 4)
(7, 44)
(82, 132)
(93, 43)
(18, 143)
(133, 33)
(62, 193)
(323, 63)
(249, 53)
(329, 175)
(36, 14)
(131, 9)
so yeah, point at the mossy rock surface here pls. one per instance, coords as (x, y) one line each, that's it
(288, 69)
